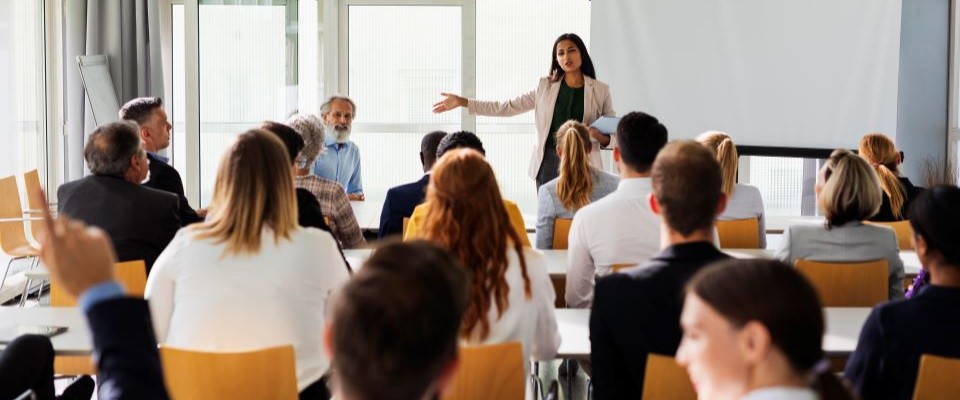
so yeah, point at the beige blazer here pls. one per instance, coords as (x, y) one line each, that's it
(596, 103)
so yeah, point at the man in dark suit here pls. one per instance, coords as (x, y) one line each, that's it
(637, 312)
(125, 347)
(141, 221)
(401, 200)
(154, 130)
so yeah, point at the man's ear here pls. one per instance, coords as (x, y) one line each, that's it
(328, 339)
(721, 204)
(616, 154)
(654, 205)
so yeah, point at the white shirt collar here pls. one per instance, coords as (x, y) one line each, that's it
(781, 393)
(635, 185)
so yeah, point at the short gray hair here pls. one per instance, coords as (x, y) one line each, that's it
(110, 147)
(325, 107)
(310, 127)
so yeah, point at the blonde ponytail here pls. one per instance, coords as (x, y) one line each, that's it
(726, 151)
(576, 182)
(878, 150)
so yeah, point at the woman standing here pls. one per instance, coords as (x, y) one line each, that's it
(572, 91)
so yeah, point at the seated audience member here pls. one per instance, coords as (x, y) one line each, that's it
(459, 140)
(141, 221)
(848, 193)
(266, 279)
(896, 334)
(743, 201)
(417, 293)
(579, 184)
(340, 161)
(309, 214)
(81, 259)
(753, 329)
(512, 296)
(898, 191)
(402, 199)
(149, 114)
(329, 194)
(619, 228)
(637, 312)
(26, 363)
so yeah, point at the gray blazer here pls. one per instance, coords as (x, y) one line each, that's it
(549, 207)
(853, 241)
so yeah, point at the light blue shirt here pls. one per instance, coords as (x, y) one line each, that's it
(340, 163)
(102, 292)
(549, 207)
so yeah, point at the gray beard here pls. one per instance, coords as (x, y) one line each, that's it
(340, 135)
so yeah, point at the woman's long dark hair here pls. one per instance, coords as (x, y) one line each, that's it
(586, 63)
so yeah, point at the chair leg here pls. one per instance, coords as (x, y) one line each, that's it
(5, 272)
(26, 291)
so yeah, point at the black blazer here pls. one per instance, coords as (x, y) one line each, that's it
(166, 178)
(125, 347)
(896, 334)
(886, 211)
(637, 312)
(399, 204)
(141, 221)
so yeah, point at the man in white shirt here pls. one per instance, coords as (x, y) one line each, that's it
(619, 229)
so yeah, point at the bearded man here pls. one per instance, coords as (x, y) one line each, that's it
(341, 160)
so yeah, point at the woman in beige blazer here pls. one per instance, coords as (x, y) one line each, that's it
(570, 92)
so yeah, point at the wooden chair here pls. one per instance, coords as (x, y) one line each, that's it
(13, 238)
(903, 230)
(839, 284)
(35, 204)
(561, 230)
(489, 372)
(665, 379)
(739, 233)
(132, 275)
(938, 378)
(269, 373)
(621, 267)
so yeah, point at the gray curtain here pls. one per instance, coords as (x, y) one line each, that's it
(128, 32)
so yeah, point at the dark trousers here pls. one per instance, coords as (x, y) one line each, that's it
(316, 391)
(549, 168)
(27, 364)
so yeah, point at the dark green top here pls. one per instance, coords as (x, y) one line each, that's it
(569, 106)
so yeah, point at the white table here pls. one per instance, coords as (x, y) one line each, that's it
(777, 225)
(368, 212)
(557, 259)
(75, 341)
(840, 339)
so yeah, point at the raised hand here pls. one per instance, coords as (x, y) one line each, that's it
(450, 101)
(78, 257)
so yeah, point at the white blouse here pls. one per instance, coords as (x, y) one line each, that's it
(202, 300)
(532, 321)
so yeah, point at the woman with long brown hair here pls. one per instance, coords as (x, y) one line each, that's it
(579, 183)
(511, 297)
(249, 276)
(898, 191)
(743, 201)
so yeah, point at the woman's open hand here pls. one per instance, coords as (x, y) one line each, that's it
(450, 101)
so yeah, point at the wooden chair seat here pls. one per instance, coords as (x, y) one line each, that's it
(269, 373)
(903, 230)
(938, 378)
(848, 284)
(739, 233)
(489, 372)
(561, 232)
(664, 379)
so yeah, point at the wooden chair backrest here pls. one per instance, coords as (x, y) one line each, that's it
(31, 183)
(903, 230)
(132, 275)
(269, 373)
(561, 230)
(842, 284)
(489, 372)
(938, 378)
(739, 233)
(664, 379)
(12, 234)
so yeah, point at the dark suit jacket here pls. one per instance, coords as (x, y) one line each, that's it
(637, 312)
(886, 211)
(141, 221)
(896, 334)
(125, 347)
(399, 204)
(166, 178)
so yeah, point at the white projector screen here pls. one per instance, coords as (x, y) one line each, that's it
(784, 73)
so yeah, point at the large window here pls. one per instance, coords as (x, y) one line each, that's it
(253, 66)
(399, 58)
(22, 99)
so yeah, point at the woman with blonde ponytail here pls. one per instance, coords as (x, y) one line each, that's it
(579, 184)
(743, 201)
(878, 150)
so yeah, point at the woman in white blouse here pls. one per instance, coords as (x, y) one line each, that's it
(249, 277)
(511, 299)
(753, 330)
(743, 201)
